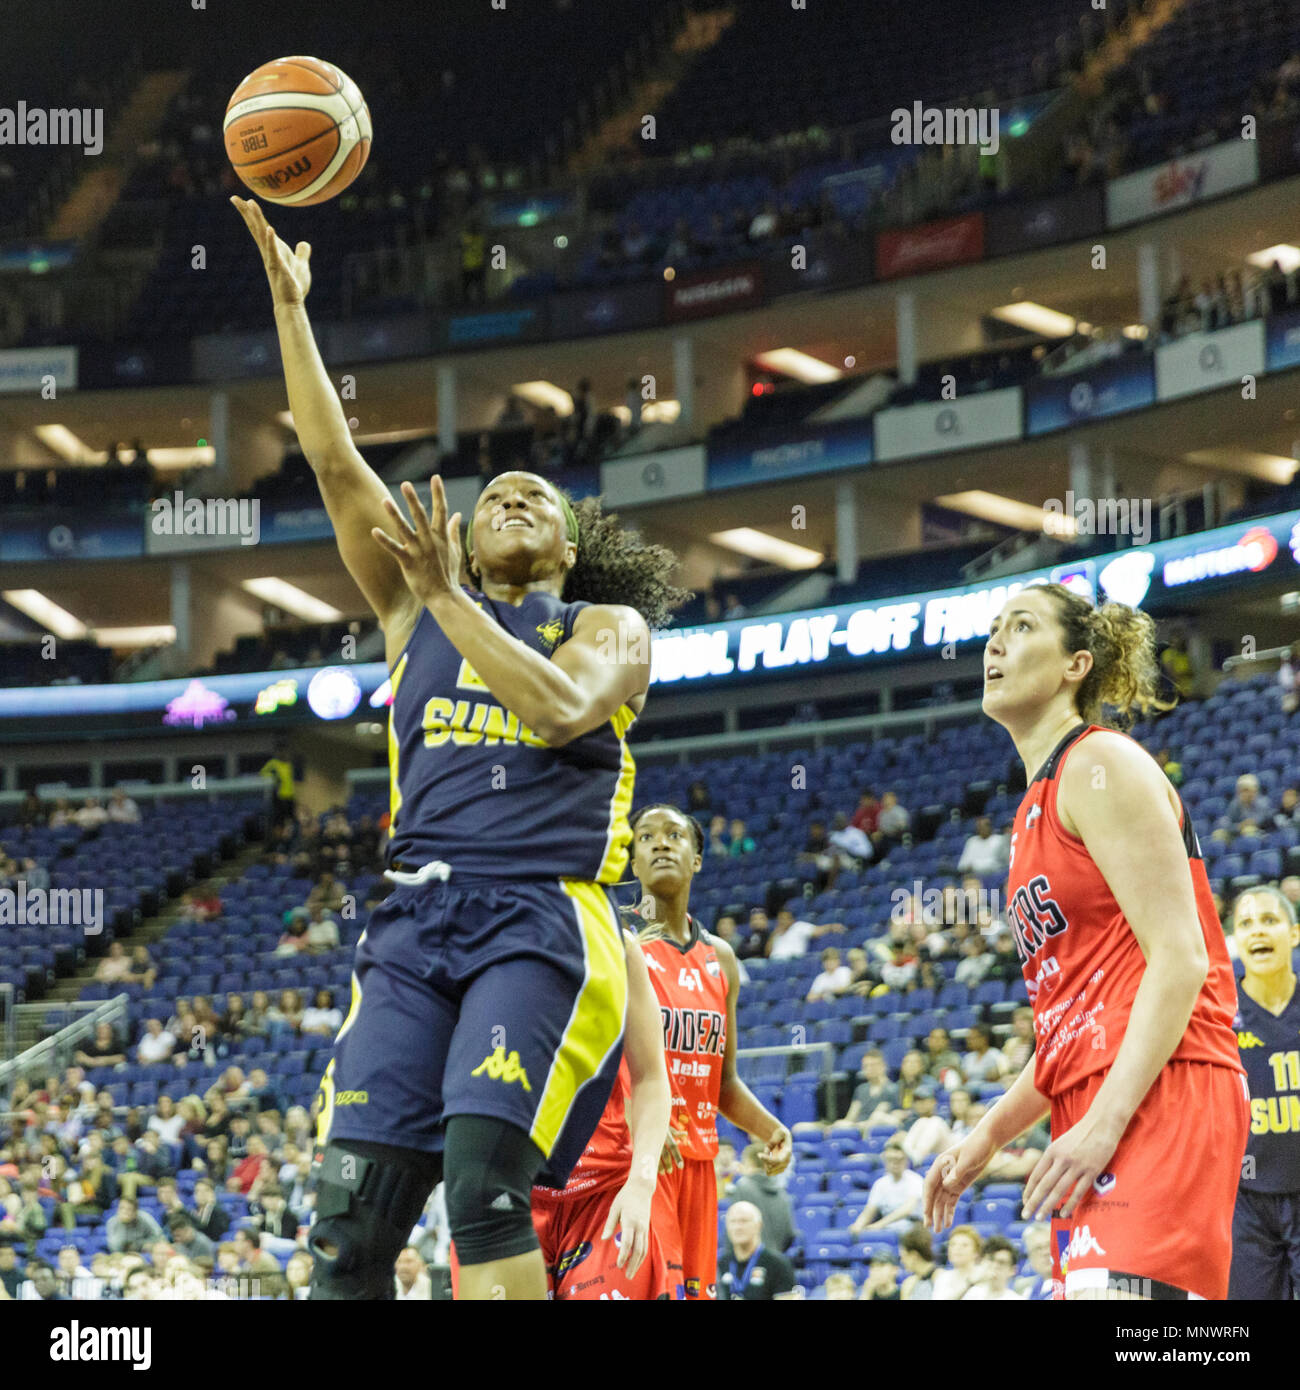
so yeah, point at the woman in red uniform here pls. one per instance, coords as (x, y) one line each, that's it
(1127, 971)
(697, 981)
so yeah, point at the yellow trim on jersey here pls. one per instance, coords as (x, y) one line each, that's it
(596, 1022)
(618, 834)
(394, 752)
(326, 1116)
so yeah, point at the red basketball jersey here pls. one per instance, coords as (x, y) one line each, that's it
(1082, 964)
(692, 992)
(607, 1159)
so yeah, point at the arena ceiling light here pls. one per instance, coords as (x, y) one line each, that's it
(292, 599)
(652, 412)
(1289, 256)
(46, 612)
(59, 439)
(1007, 511)
(1036, 318)
(799, 365)
(195, 456)
(159, 635)
(544, 393)
(1273, 468)
(758, 545)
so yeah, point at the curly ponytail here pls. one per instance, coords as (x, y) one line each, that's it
(614, 565)
(1125, 675)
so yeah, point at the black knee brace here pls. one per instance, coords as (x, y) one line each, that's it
(368, 1199)
(490, 1166)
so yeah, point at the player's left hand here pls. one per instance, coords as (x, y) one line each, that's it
(776, 1157)
(429, 551)
(629, 1214)
(1064, 1175)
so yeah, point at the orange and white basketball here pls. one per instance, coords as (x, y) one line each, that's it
(297, 131)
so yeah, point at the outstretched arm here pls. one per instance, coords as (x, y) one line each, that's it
(353, 494)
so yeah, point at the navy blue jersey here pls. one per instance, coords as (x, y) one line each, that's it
(1270, 1052)
(473, 786)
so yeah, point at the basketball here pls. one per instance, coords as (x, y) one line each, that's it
(297, 131)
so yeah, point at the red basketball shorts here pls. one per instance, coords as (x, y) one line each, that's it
(1158, 1221)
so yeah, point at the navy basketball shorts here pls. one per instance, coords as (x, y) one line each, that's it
(1265, 1247)
(486, 997)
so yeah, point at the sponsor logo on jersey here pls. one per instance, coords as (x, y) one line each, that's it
(654, 963)
(550, 633)
(692, 1288)
(1031, 816)
(694, 1030)
(352, 1098)
(1104, 1183)
(712, 967)
(1249, 1039)
(497, 1066)
(1082, 1242)
(570, 1259)
(712, 1291)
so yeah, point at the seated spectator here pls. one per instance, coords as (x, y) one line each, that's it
(916, 1255)
(1019, 1047)
(982, 1062)
(262, 1090)
(963, 1113)
(976, 962)
(122, 810)
(187, 1239)
(698, 800)
(792, 938)
(249, 1168)
(1017, 1160)
(892, 823)
(1247, 805)
(882, 1281)
(167, 1122)
(287, 1012)
(62, 815)
(925, 1132)
(131, 1229)
(324, 1017)
(834, 979)
(942, 1064)
(900, 972)
(328, 892)
(1288, 810)
(962, 1271)
(911, 1078)
(853, 846)
(210, 1217)
(35, 875)
(42, 1284)
(295, 940)
(875, 1099)
(104, 1051)
(984, 853)
(840, 1288)
(1006, 961)
(818, 850)
(92, 815)
(867, 815)
(718, 842)
(749, 1268)
(862, 977)
(894, 1199)
(996, 1271)
(411, 1280)
(115, 967)
(1037, 1245)
(32, 812)
(752, 1184)
(1170, 766)
(156, 1045)
(322, 929)
(740, 842)
(143, 970)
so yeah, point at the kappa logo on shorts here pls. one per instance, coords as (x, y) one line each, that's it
(572, 1258)
(1104, 1183)
(498, 1067)
(1082, 1242)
